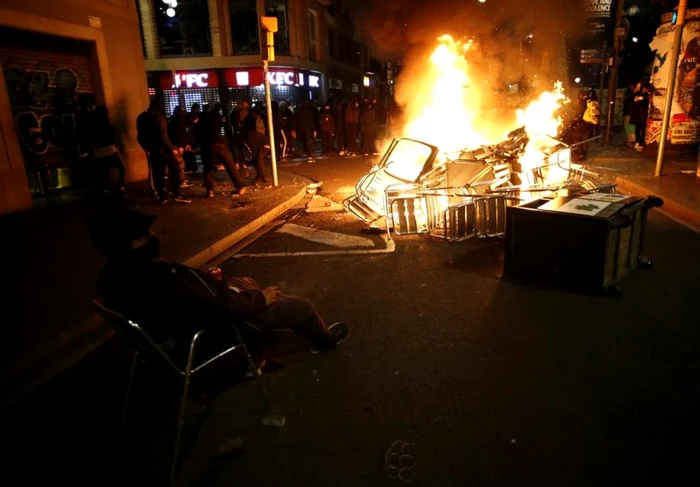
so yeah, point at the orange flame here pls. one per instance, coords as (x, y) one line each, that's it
(447, 109)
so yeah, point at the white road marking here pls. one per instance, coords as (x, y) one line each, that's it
(322, 236)
(390, 247)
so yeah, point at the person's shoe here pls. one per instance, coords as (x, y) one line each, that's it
(238, 192)
(309, 160)
(163, 201)
(340, 331)
(181, 199)
(210, 194)
(186, 184)
(341, 153)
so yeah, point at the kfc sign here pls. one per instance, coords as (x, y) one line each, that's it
(282, 78)
(190, 79)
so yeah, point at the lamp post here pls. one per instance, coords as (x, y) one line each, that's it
(671, 85)
(269, 26)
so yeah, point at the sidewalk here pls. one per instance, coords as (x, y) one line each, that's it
(634, 174)
(51, 269)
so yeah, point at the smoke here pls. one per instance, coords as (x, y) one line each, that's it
(516, 43)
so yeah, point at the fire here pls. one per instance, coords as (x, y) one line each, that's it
(542, 125)
(447, 109)
(443, 113)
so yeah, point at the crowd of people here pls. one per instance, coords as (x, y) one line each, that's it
(241, 139)
(587, 116)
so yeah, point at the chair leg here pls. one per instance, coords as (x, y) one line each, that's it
(129, 384)
(254, 370)
(181, 415)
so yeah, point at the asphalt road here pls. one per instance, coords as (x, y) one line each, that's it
(490, 383)
(450, 373)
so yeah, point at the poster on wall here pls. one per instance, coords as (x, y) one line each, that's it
(685, 111)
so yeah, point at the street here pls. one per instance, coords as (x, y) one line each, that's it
(450, 375)
(490, 383)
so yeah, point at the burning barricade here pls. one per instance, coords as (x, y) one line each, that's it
(416, 189)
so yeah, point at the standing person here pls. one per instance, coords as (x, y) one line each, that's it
(278, 124)
(338, 114)
(352, 122)
(258, 141)
(627, 104)
(368, 127)
(288, 124)
(105, 151)
(639, 115)
(215, 151)
(177, 131)
(327, 125)
(305, 128)
(152, 135)
(190, 143)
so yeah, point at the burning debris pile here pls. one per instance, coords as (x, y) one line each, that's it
(445, 178)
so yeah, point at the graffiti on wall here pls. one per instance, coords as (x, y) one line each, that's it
(45, 105)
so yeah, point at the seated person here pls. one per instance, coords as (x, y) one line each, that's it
(171, 303)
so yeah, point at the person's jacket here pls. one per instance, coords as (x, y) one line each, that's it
(168, 301)
(178, 129)
(211, 127)
(368, 121)
(304, 119)
(640, 108)
(352, 113)
(327, 122)
(152, 132)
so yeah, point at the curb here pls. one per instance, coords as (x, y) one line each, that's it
(687, 216)
(73, 353)
(201, 258)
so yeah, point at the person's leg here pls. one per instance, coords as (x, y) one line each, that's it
(208, 169)
(643, 133)
(309, 144)
(174, 169)
(190, 161)
(224, 157)
(299, 315)
(115, 161)
(158, 168)
(638, 134)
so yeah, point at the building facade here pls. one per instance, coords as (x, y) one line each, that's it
(51, 54)
(208, 51)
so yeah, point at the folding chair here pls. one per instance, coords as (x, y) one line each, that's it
(137, 338)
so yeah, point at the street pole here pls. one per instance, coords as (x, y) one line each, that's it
(671, 85)
(612, 84)
(269, 26)
(270, 126)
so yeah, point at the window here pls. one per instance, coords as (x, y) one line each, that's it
(244, 26)
(312, 28)
(278, 8)
(183, 30)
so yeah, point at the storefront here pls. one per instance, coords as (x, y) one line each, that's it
(187, 88)
(232, 86)
(46, 78)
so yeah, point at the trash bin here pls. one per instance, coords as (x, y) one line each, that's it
(585, 243)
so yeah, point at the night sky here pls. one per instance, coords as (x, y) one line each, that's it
(406, 27)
